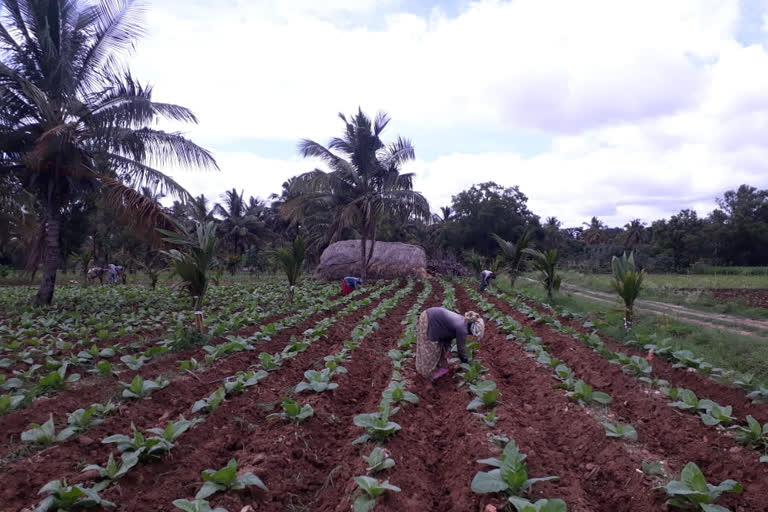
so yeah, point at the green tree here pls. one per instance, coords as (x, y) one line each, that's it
(595, 232)
(513, 253)
(239, 225)
(627, 281)
(360, 188)
(680, 237)
(75, 121)
(546, 263)
(292, 262)
(634, 233)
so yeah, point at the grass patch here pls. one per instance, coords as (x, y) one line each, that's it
(739, 353)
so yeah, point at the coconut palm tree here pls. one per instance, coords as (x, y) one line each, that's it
(595, 232)
(635, 233)
(239, 224)
(73, 121)
(513, 253)
(627, 281)
(546, 263)
(361, 187)
(446, 214)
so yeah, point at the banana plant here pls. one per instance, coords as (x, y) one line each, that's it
(546, 264)
(627, 281)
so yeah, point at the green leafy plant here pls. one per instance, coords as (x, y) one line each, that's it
(317, 381)
(241, 381)
(513, 253)
(584, 393)
(471, 372)
(212, 402)
(292, 262)
(486, 395)
(685, 399)
(397, 394)
(546, 264)
(627, 281)
(715, 414)
(378, 460)
(752, 434)
(511, 475)
(10, 402)
(45, 434)
(270, 362)
(693, 490)
(133, 362)
(196, 257)
(174, 429)
(144, 447)
(196, 506)
(227, 478)
(377, 424)
(620, 431)
(488, 418)
(293, 411)
(68, 497)
(140, 388)
(113, 471)
(542, 505)
(372, 488)
(56, 380)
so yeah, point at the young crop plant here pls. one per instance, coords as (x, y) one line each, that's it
(372, 488)
(174, 429)
(471, 372)
(583, 393)
(685, 399)
(693, 491)
(486, 395)
(378, 460)
(489, 418)
(317, 381)
(56, 380)
(81, 420)
(377, 424)
(212, 402)
(69, 497)
(113, 471)
(712, 413)
(270, 362)
(196, 506)
(144, 447)
(45, 434)
(241, 381)
(542, 505)
(10, 402)
(133, 362)
(620, 431)
(140, 388)
(293, 411)
(638, 367)
(510, 475)
(397, 394)
(753, 435)
(225, 479)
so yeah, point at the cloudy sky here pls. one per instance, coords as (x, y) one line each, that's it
(614, 108)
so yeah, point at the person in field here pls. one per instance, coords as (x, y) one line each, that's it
(437, 328)
(350, 284)
(485, 278)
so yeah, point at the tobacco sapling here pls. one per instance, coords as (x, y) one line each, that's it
(45, 434)
(692, 490)
(270, 362)
(486, 395)
(583, 393)
(715, 414)
(211, 403)
(196, 506)
(753, 435)
(397, 394)
(140, 388)
(523, 505)
(378, 460)
(372, 489)
(377, 424)
(67, 497)
(112, 471)
(226, 478)
(317, 381)
(511, 475)
(292, 411)
(489, 418)
(144, 447)
(620, 431)
(242, 380)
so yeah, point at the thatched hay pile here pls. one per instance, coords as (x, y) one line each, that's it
(390, 260)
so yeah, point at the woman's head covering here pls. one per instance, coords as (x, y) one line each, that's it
(476, 324)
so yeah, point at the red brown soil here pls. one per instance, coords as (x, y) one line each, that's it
(679, 437)
(703, 386)
(755, 298)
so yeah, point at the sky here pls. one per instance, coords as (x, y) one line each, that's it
(620, 109)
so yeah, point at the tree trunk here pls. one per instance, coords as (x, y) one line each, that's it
(363, 261)
(51, 261)
(512, 278)
(628, 318)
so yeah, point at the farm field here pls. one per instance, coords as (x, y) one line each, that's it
(201, 403)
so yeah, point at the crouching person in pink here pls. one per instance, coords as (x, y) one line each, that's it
(437, 329)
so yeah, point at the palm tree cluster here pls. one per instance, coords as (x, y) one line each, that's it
(75, 123)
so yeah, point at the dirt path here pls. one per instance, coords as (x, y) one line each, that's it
(733, 324)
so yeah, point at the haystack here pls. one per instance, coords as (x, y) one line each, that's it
(390, 260)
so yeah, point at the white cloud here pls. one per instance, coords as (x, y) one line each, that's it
(651, 106)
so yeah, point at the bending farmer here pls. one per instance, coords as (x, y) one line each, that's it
(485, 278)
(349, 284)
(437, 328)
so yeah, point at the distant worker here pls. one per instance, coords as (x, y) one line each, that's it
(350, 284)
(485, 278)
(112, 273)
(437, 329)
